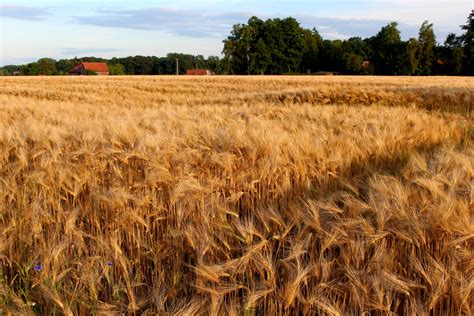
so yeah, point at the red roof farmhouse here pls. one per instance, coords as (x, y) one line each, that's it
(82, 68)
(198, 72)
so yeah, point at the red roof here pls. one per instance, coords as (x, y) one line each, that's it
(96, 67)
(196, 72)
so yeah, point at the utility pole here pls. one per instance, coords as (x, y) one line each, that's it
(177, 67)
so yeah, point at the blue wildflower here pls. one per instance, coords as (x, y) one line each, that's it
(109, 263)
(38, 267)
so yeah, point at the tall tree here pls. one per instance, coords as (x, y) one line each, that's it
(387, 47)
(293, 37)
(452, 54)
(427, 42)
(274, 46)
(312, 44)
(468, 42)
(235, 51)
(274, 39)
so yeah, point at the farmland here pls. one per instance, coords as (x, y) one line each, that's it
(236, 195)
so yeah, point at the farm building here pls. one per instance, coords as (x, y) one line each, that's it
(84, 67)
(198, 72)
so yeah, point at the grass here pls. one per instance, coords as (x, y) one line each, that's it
(225, 195)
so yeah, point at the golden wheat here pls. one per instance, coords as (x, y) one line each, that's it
(235, 195)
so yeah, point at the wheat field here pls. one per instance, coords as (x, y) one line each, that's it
(236, 195)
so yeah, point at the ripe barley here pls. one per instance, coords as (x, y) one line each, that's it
(225, 195)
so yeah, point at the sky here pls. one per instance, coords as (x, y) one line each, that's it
(58, 29)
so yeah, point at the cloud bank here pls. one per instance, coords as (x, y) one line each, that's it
(203, 24)
(176, 21)
(21, 12)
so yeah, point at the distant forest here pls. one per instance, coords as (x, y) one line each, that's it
(282, 46)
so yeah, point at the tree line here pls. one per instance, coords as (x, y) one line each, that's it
(282, 46)
(134, 65)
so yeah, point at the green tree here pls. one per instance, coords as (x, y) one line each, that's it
(453, 54)
(427, 42)
(274, 46)
(199, 62)
(387, 47)
(332, 56)
(353, 63)
(65, 65)
(293, 37)
(413, 52)
(260, 59)
(275, 42)
(456, 60)
(47, 67)
(256, 52)
(8, 70)
(213, 63)
(235, 51)
(116, 70)
(312, 44)
(468, 44)
(167, 65)
(356, 51)
(31, 69)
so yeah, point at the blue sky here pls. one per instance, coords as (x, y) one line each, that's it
(63, 29)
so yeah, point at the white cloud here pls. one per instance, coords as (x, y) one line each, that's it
(177, 21)
(23, 12)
